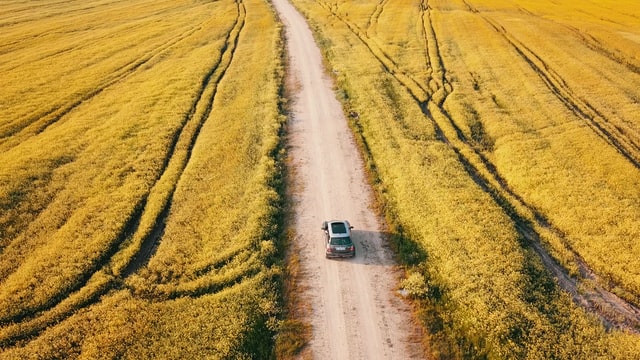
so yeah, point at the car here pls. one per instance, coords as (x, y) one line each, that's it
(338, 242)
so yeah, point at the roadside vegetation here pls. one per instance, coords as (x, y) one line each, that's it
(503, 143)
(140, 179)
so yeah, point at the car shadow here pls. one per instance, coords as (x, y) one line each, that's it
(372, 248)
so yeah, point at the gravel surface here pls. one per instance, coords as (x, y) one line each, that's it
(355, 311)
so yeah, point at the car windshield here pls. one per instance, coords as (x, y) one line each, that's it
(341, 241)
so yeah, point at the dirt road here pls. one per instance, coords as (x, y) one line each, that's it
(355, 313)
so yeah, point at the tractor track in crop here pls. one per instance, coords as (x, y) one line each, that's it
(37, 32)
(34, 124)
(372, 24)
(30, 324)
(594, 44)
(437, 75)
(30, 10)
(386, 61)
(612, 310)
(618, 128)
(198, 114)
(581, 108)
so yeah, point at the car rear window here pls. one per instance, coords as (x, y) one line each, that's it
(338, 228)
(341, 241)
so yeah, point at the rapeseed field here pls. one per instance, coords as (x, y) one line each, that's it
(516, 203)
(141, 174)
(140, 179)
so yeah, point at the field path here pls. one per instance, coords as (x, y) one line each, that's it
(354, 311)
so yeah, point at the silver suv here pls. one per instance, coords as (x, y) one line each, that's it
(338, 239)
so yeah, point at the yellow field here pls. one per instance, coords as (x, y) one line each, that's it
(140, 179)
(517, 129)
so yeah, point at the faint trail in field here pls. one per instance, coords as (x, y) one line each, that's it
(386, 61)
(133, 24)
(436, 86)
(372, 24)
(612, 310)
(600, 16)
(13, 16)
(37, 9)
(22, 129)
(438, 82)
(424, 8)
(616, 128)
(597, 46)
(597, 121)
(33, 13)
(42, 56)
(31, 324)
(484, 173)
(198, 115)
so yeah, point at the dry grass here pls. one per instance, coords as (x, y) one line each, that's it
(510, 119)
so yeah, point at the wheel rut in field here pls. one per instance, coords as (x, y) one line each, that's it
(438, 82)
(19, 130)
(581, 108)
(31, 10)
(91, 287)
(372, 24)
(612, 310)
(186, 137)
(385, 60)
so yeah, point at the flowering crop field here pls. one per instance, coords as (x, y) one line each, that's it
(503, 140)
(140, 178)
(141, 172)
